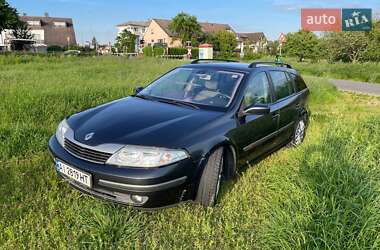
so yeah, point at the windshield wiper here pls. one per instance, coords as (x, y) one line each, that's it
(145, 97)
(164, 100)
(178, 103)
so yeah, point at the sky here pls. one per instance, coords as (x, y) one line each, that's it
(99, 17)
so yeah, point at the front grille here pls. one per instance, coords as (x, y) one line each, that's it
(86, 153)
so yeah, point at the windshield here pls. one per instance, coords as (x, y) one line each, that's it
(199, 86)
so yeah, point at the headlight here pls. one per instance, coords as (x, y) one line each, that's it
(61, 130)
(146, 157)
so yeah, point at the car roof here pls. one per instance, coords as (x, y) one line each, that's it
(237, 66)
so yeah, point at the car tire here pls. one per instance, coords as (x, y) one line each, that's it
(209, 184)
(299, 132)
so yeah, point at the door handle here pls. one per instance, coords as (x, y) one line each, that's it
(275, 115)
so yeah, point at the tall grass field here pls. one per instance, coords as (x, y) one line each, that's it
(361, 72)
(324, 194)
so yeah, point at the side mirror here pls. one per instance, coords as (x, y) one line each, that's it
(256, 110)
(138, 90)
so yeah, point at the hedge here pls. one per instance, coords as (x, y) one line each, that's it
(148, 51)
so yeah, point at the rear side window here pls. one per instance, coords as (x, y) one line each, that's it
(299, 82)
(282, 86)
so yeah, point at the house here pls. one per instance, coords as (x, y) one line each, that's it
(255, 41)
(158, 32)
(104, 49)
(135, 27)
(46, 30)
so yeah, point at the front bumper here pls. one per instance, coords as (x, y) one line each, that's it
(163, 186)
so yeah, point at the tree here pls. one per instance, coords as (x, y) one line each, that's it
(8, 16)
(226, 42)
(302, 44)
(185, 27)
(94, 43)
(22, 31)
(273, 47)
(209, 38)
(126, 42)
(346, 46)
(372, 52)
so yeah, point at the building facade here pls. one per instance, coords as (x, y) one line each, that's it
(46, 30)
(158, 32)
(255, 41)
(137, 28)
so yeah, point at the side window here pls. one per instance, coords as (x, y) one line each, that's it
(292, 79)
(282, 86)
(257, 91)
(299, 82)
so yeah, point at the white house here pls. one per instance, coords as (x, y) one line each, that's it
(255, 41)
(137, 28)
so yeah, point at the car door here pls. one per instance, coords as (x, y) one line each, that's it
(285, 104)
(254, 132)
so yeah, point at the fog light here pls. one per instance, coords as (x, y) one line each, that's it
(138, 199)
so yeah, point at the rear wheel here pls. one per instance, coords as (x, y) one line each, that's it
(299, 133)
(209, 185)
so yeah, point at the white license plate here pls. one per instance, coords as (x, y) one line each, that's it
(73, 173)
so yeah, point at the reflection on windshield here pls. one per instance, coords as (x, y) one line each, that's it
(199, 86)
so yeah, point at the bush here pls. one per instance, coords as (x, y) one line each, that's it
(158, 51)
(227, 43)
(194, 53)
(54, 49)
(177, 51)
(249, 55)
(73, 47)
(148, 51)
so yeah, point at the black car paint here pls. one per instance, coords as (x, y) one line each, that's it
(136, 121)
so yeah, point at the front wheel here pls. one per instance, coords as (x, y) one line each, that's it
(209, 185)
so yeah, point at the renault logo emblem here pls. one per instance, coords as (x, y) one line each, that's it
(89, 136)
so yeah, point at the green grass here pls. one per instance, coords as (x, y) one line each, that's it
(364, 72)
(324, 194)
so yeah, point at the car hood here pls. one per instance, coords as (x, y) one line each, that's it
(137, 121)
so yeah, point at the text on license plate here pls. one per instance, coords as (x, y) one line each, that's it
(73, 173)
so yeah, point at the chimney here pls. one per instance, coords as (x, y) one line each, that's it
(46, 14)
(24, 14)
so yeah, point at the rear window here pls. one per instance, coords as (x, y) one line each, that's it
(282, 86)
(299, 83)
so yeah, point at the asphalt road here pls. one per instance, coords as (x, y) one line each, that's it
(357, 87)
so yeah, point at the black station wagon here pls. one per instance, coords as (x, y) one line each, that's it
(179, 137)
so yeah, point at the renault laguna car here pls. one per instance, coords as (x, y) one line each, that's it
(178, 138)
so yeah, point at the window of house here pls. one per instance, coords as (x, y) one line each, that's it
(257, 91)
(60, 24)
(37, 37)
(160, 41)
(34, 23)
(282, 86)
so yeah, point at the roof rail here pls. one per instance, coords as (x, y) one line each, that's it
(281, 64)
(212, 60)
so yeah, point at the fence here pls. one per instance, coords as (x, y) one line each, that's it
(174, 56)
